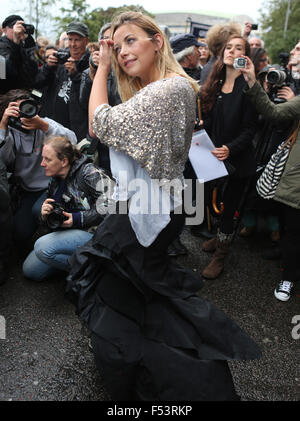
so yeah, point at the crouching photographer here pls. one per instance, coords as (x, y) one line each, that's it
(287, 192)
(22, 132)
(76, 202)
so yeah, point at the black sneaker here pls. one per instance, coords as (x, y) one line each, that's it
(283, 290)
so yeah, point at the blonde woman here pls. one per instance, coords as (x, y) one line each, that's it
(152, 336)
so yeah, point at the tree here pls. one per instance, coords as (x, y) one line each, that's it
(280, 24)
(79, 10)
(37, 12)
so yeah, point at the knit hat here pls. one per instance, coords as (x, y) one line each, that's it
(11, 20)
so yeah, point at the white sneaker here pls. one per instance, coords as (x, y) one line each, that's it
(283, 290)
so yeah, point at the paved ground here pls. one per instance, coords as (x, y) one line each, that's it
(45, 356)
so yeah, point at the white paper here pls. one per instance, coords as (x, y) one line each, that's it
(206, 166)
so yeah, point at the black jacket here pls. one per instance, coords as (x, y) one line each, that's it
(81, 193)
(21, 67)
(233, 122)
(86, 86)
(52, 80)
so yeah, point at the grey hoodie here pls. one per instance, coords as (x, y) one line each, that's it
(22, 153)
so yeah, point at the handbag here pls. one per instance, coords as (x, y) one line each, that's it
(268, 181)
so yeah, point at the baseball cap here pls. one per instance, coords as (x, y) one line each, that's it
(11, 20)
(183, 41)
(78, 28)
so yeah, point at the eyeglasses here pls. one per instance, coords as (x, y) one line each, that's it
(263, 59)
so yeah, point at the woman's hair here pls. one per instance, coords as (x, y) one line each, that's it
(218, 35)
(63, 148)
(213, 84)
(256, 55)
(103, 28)
(166, 62)
(11, 96)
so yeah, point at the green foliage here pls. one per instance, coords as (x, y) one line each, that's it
(94, 19)
(36, 12)
(273, 24)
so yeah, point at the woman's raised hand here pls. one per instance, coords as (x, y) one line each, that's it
(105, 53)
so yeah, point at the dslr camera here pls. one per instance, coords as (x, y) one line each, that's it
(240, 63)
(29, 29)
(28, 109)
(62, 56)
(279, 78)
(56, 217)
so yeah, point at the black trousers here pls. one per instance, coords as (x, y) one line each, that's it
(290, 243)
(232, 197)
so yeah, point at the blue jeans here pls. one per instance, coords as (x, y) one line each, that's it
(51, 253)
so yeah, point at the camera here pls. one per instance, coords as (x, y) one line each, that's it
(276, 77)
(29, 29)
(279, 78)
(56, 217)
(254, 26)
(240, 63)
(62, 56)
(28, 109)
(92, 63)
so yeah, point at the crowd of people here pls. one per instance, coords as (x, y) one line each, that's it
(134, 99)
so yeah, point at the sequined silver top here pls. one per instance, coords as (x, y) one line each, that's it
(154, 127)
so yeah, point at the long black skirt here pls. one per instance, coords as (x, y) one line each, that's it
(153, 337)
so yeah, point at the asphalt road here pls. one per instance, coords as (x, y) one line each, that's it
(45, 356)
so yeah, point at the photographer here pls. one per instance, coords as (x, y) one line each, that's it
(267, 138)
(21, 138)
(17, 47)
(287, 192)
(230, 120)
(75, 187)
(62, 75)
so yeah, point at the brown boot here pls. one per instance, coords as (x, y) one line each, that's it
(216, 265)
(210, 245)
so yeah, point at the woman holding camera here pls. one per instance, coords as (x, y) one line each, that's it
(287, 192)
(74, 198)
(152, 336)
(230, 121)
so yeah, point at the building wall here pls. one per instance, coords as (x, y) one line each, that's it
(177, 22)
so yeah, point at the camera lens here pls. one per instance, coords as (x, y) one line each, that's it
(55, 219)
(28, 108)
(276, 77)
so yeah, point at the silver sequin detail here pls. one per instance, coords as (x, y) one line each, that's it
(154, 127)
